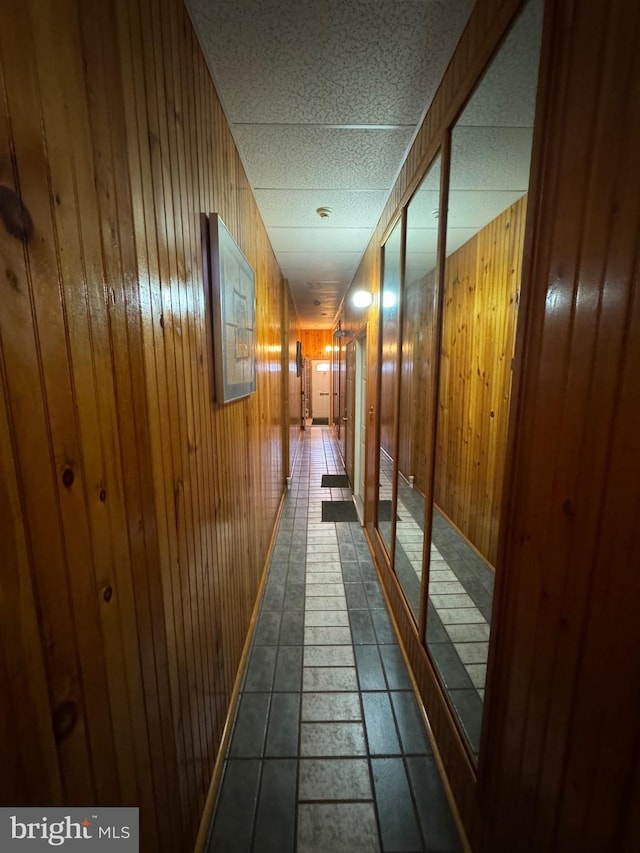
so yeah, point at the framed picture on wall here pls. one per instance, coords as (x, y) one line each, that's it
(232, 315)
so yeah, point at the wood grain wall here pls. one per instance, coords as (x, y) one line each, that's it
(135, 516)
(562, 731)
(416, 381)
(480, 309)
(315, 342)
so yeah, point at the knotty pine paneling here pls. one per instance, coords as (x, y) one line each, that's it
(480, 307)
(136, 515)
(416, 381)
(315, 343)
(562, 728)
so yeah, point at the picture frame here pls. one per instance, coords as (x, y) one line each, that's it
(231, 296)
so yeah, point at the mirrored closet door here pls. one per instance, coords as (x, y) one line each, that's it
(417, 379)
(389, 339)
(488, 182)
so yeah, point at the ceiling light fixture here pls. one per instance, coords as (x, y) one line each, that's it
(362, 299)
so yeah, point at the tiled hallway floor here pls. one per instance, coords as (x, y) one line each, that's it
(328, 751)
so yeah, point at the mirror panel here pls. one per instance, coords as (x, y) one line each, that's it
(489, 178)
(389, 332)
(417, 377)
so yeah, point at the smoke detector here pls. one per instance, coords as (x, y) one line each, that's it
(324, 212)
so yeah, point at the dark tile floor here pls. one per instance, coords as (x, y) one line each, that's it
(459, 608)
(328, 751)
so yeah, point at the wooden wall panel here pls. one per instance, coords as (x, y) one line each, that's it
(135, 515)
(481, 291)
(418, 335)
(562, 728)
(315, 342)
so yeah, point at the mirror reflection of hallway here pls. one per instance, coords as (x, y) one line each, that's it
(488, 182)
(320, 389)
(417, 383)
(389, 338)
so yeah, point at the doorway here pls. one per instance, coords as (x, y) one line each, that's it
(320, 388)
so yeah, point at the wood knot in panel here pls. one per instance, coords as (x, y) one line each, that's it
(14, 215)
(64, 720)
(68, 477)
(12, 278)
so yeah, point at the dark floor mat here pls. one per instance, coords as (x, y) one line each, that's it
(339, 511)
(335, 481)
(320, 422)
(384, 511)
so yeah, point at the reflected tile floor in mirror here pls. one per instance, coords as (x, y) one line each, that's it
(459, 610)
(328, 750)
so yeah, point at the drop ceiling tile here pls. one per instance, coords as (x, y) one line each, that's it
(474, 209)
(421, 209)
(323, 264)
(298, 207)
(278, 157)
(457, 237)
(490, 158)
(506, 95)
(418, 264)
(307, 277)
(328, 61)
(421, 240)
(319, 239)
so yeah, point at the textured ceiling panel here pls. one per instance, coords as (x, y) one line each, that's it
(323, 97)
(328, 61)
(302, 277)
(278, 157)
(421, 240)
(422, 209)
(490, 158)
(457, 237)
(319, 239)
(471, 209)
(418, 265)
(506, 95)
(298, 207)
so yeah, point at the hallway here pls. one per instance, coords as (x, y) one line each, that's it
(328, 751)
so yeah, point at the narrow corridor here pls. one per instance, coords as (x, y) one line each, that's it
(328, 752)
